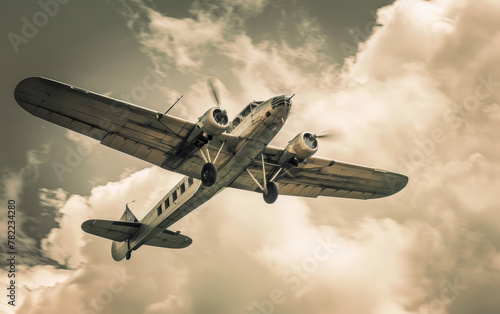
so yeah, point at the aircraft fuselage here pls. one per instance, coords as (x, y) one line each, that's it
(256, 131)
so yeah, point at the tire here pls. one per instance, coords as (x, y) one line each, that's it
(272, 193)
(129, 254)
(208, 174)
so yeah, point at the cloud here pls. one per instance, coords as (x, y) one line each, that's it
(14, 183)
(277, 247)
(419, 96)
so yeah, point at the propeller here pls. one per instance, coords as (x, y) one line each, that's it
(221, 114)
(327, 134)
(215, 91)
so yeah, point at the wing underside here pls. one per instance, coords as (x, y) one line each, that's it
(323, 177)
(161, 140)
(143, 133)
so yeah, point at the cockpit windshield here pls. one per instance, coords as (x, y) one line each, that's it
(280, 101)
(245, 112)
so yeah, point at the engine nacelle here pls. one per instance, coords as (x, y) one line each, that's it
(303, 146)
(214, 122)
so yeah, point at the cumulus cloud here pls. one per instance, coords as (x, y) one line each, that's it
(419, 96)
(14, 183)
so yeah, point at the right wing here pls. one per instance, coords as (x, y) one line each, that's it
(120, 125)
(322, 177)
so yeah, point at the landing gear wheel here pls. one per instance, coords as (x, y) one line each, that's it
(128, 255)
(272, 193)
(208, 174)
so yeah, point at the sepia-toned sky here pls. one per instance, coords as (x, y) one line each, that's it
(410, 86)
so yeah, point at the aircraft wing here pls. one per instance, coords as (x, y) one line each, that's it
(110, 229)
(169, 239)
(322, 177)
(120, 125)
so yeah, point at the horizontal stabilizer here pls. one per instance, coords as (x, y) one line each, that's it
(171, 240)
(110, 229)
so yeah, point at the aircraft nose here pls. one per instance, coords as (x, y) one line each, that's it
(282, 111)
(281, 106)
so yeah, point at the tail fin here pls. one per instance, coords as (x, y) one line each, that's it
(128, 215)
(119, 231)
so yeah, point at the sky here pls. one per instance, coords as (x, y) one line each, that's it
(410, 86)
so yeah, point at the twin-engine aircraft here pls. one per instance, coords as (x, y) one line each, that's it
(213, 153)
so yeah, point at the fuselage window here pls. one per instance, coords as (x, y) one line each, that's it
(167, 202)
(159, 210)
(183, 188)
(246, 112)
(190, 181)
(236, 122)
(174, 196)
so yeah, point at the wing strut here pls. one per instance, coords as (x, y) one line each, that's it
(255, 180)
(270, 189)
(264, 178)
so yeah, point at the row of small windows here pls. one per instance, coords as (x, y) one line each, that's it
(175, 195)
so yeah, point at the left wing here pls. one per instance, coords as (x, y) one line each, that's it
(323, 177)
(128, 128)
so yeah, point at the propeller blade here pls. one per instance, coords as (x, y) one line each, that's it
(214, 90)
(327, 134)
(324, 135)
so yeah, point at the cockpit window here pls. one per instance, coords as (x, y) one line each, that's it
(245, 112)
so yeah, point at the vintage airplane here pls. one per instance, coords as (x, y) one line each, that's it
(213, 153)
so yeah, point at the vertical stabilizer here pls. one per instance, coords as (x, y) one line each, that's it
(128, 215)
(119, 250)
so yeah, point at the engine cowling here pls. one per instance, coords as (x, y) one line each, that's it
(214, 122)
(302, 146)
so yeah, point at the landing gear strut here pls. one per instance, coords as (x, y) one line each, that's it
(270, 189)
(129, 251)
(208, 174)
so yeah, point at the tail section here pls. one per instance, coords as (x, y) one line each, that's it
(121, 249)
(121, 231)
(171, 240)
